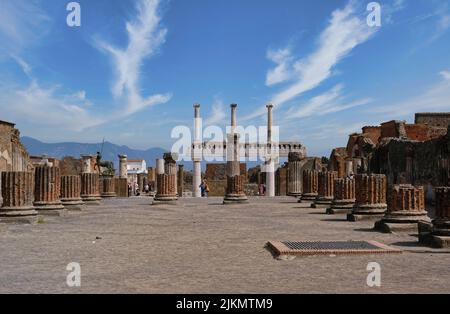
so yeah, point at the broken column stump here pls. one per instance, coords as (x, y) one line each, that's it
(438, 235)
(325, 192)
(47, 190)
(406, 208)
(310, 185)
(344, 196)
(295, 174)
(166, 189)
(71, 192)
(90, 189)
(17, 194)
(108, 186)
(370, 197)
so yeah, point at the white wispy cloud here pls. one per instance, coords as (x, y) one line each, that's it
(22, 22)
(345, 31)
(218, 114)
(145, 36)
(329, 102)
(435, 98)
(283, 71)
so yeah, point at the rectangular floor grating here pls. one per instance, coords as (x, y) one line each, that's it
(330, 248)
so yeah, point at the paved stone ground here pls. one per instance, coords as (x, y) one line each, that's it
(202, 246)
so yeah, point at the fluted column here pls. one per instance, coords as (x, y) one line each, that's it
(108, 187)
(441, 224)
(166, 186)
(310, 185)
(90, 188)
(295, 175)
(17, 193)
(47, 190)
(325, 192)
(370, 197)
(235, 192)
(406, 208)
(344, 196)
(71, 192)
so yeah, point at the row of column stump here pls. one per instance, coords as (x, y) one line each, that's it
(46, 192)
(366, 197)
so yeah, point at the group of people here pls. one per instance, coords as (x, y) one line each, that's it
(204, 188)
(134, 189)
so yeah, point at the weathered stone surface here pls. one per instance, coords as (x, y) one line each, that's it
(123, 172)
(325, 191)
(370, 197)
(121, 187)
(180, 180)
(310, 185)
(90, 188)
(108, 186)
(17, 193)
(295, 179)
(281, 181)
(47, 190)
(235, 192)
(71, 192)
(166, 190)
(406, 207)
(344, 196)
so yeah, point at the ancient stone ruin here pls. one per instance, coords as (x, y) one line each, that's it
(71, 192)
(17, 193)
(344, 196)
(370, 197)
(325, 189)
(47, 190)
(166, 190)
(310, 185)
(90, 188)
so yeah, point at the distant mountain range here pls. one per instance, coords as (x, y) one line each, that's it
(110, 150)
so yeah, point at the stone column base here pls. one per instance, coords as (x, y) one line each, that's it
(367, 212)
(108, 194)
(235, 199)
(308, 197)
(91, 200)
(49, 209)
(390, 227)
(296, 195)
(165, 200)
(322, 202)
(341, 207)
(73, 204)
(428, 238)
(22, 215)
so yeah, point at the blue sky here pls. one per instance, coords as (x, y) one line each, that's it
(133, 69)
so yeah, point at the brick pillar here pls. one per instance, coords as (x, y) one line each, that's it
(295, 175)
(406, 208)
(370, 197)
(121, 187)
(310, 185)
(180, 180)
(90, 188)
(441, 224)
(344, 196)
(71, 192)
(108, 186)
(166, 182)
(17, 193)
(325, 193)
(123, 172)
(47, 190)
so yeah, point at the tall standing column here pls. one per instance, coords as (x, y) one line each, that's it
(406, 208)
(71, 192)
(325, 193)
(295, 174)
(90, 188)
(47, 190)
(370, 197)
(180, 180)
(344, 196)
(197, 152)
(270, 162)
(166, 192)
(310, 185)
(17, 194)
(235, 192)
(123, 163)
